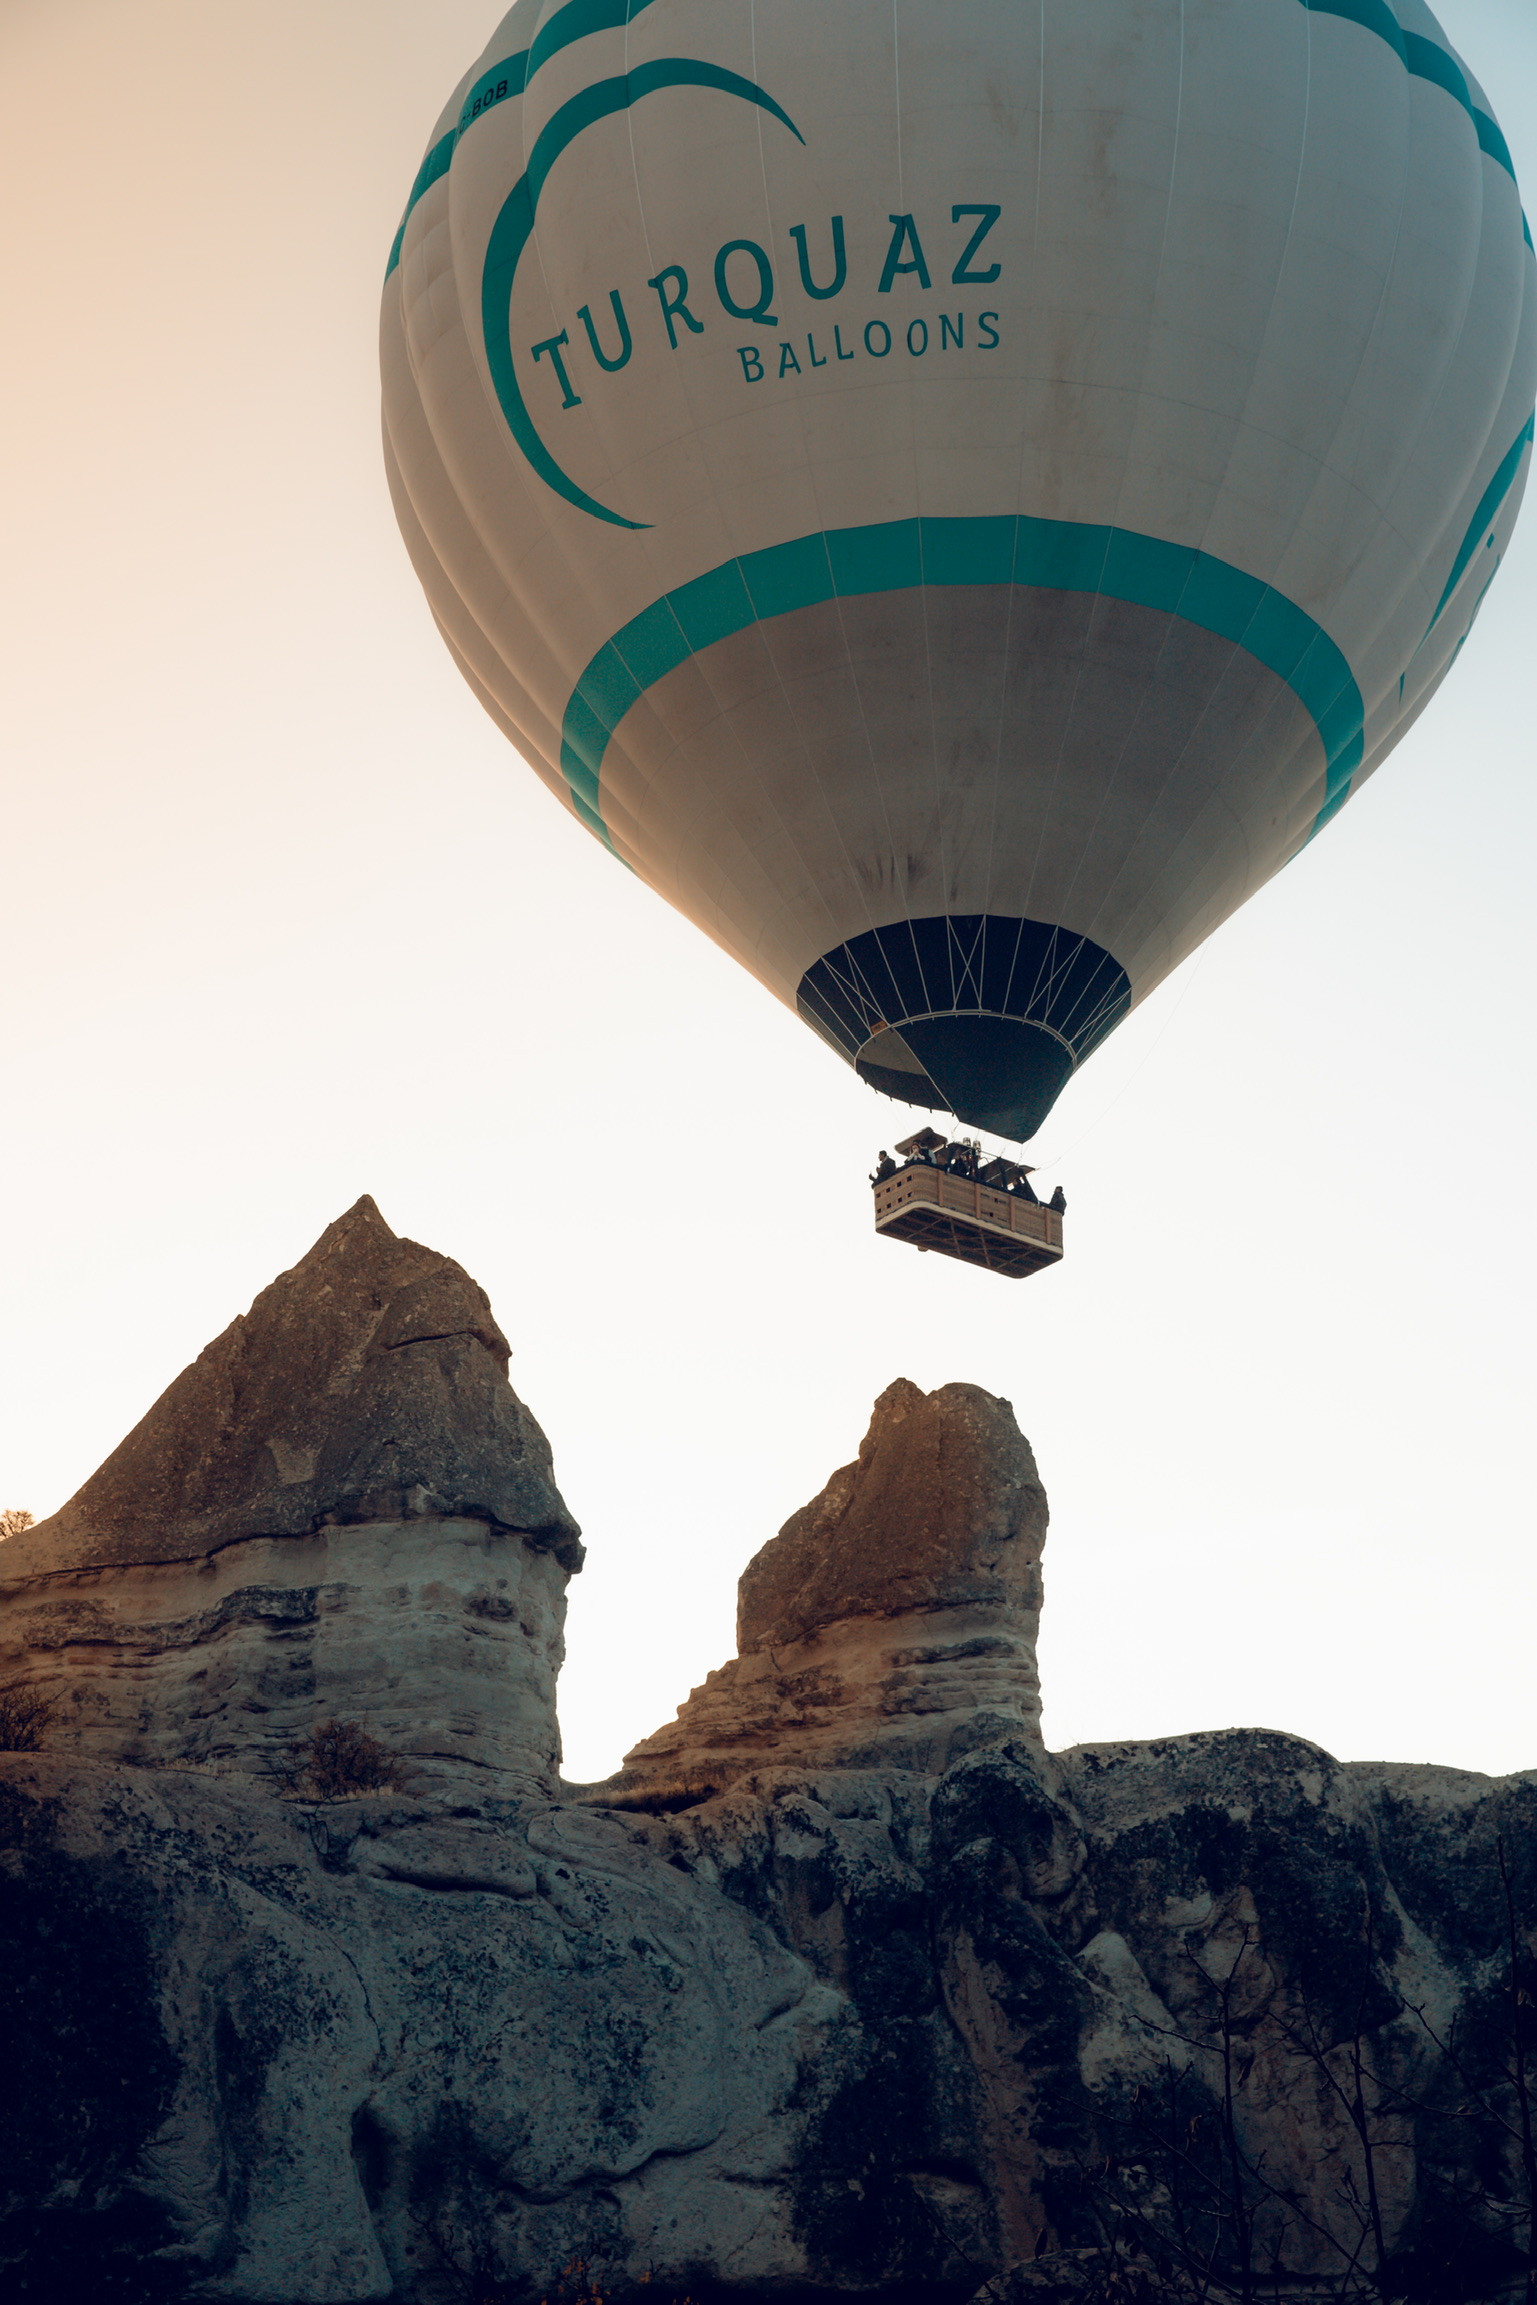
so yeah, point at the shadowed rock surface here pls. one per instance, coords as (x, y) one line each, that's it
(367, 1384)
(843, 1988)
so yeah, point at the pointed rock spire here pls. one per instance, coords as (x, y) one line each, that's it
(943, 1506)
(366, 1384)
(891, 1623)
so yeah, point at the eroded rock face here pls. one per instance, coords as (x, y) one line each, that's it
(340, 1510)
(271, 2051)
(844, 1987)
(367, 1384)
(892, 1621)
(856, 2031)
(440, 1637)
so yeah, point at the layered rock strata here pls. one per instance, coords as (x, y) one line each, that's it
(843, 1988)
(340, 1509)
(891, 1623)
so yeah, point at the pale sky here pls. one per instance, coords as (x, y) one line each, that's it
(286, 920)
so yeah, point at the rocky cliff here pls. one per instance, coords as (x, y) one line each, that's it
(843, 1986)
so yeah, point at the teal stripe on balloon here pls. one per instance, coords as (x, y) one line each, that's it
(514, 227)
(1372, 15)
(435, 165)
(896, 555)
(1430, 62)
(1488, 506)
(576, 21)
(1491, 141)
(1426, 60)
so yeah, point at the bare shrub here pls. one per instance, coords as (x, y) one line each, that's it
(24, 1718)
(15, 1518)
(1179, 2183)
(340, 1758)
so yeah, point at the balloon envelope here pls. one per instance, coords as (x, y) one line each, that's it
(956, 497)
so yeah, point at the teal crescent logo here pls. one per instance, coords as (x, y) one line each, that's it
(514, 227)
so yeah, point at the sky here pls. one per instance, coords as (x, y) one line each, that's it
(286, 920)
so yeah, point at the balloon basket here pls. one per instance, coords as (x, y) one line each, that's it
(959, 1216)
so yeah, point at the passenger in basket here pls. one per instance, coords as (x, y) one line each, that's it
(1058, 1201)
(885, 1167)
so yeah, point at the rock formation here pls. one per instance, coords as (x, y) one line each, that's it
(369, 1384)
(844, 1986)
(892, 1621)
(341, 1508)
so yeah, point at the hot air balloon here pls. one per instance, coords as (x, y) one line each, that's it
(956, 497)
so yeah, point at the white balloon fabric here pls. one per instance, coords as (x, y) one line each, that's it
(955, 493)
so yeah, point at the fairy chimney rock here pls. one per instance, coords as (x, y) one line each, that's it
(341, 1509)
(893, 1620)
(942, 1508)
(368, 1383)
